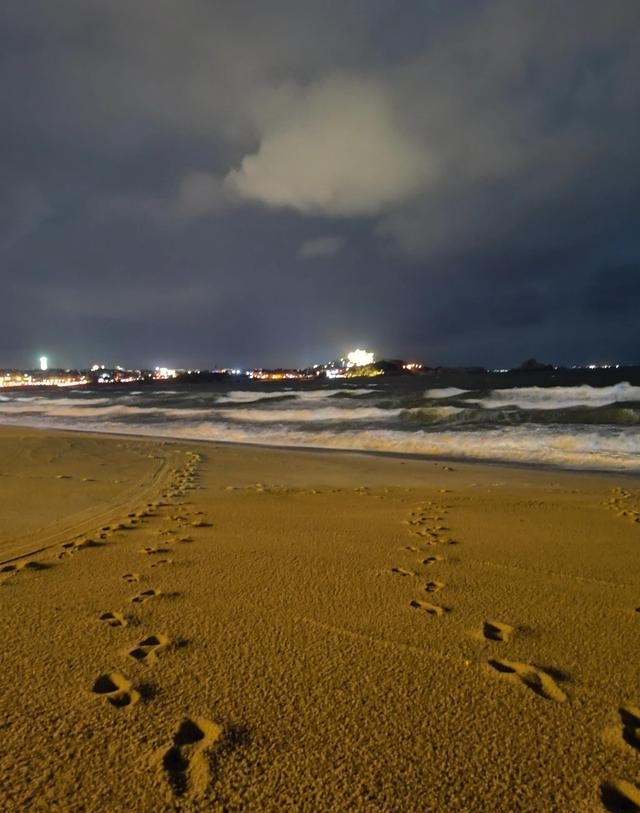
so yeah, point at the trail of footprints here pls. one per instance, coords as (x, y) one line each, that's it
(427, 523)
(187, 763)
(624, 504)
(619, 794)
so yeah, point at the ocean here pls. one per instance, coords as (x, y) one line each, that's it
(540, 419)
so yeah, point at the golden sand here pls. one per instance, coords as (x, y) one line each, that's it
(203, 628)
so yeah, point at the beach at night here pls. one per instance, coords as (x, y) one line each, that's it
(320, 406)
(191, 626)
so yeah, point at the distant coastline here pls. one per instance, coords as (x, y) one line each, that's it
(476, 378)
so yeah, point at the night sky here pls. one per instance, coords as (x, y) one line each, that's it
(191, 183)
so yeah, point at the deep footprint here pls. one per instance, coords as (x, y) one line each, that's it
(145, 596)
(432, 609)
(534, 678)
(117, 689)
(149, 648)
(496, 631)
(620, 796)
(114, 619)
(186, 764)
(434, 586)
(630, 717)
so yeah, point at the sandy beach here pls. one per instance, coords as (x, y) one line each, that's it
(204, 627)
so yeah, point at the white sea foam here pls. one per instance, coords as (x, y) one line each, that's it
(45, 402)
(313, 418)
(602, 448)
(444, 392)
(63, 408)
(319, 395)
(559, 397)
(247, 396)
(302, 415)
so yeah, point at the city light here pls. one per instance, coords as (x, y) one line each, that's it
(360, 358)
(164, 373)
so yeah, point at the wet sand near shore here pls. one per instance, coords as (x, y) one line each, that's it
(196, 627)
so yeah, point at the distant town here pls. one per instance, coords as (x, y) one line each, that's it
(356, 364)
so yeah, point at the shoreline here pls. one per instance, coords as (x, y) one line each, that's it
(238, 628)
(490, 462)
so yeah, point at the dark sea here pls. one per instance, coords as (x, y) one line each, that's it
(578, 419)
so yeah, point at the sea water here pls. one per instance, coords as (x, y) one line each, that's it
(579, 426)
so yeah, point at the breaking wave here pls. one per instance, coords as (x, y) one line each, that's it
(580, 427)
(560, 397)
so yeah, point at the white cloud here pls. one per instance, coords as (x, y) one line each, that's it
(336, 148)
(326, 246)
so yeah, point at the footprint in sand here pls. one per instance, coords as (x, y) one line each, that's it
(80, 544)
(536, 679)
(431, 560)
(186, 764)
(149, 648)
(83, 544)
(402, 572)
(620, 796)
(496, 631)
(10, 568)
(146, 595)
(200, 523)
(149, 551)
(132, 578)
(117, 689)
(28, 564)
(432, 609)
(430, 537)
(433, 586)
(630, 717)
(114, 619)
(162, 562)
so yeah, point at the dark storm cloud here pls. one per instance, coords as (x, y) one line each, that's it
(270, 182)
(615, 291)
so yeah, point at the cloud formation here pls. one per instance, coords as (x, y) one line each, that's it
(336, 148)
(479, 160)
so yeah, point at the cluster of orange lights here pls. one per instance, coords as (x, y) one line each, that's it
(26, 380)
(277, 375)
